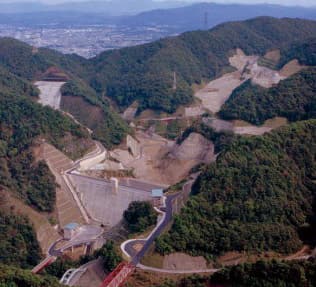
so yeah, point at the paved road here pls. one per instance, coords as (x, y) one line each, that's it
(158, 231)
(87, 234)
(170, 271)
(167, 217)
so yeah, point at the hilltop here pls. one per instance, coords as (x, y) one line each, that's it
(31, 64)
(255, 198)
(258, 197)
(146, 73)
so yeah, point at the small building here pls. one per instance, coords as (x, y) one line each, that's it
(70, 230)
(157, 196)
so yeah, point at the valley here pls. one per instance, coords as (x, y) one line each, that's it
(212, 151)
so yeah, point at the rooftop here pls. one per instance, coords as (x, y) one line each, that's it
(157, 192)
(71, 226)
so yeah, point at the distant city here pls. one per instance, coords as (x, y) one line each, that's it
(92, 27)
(86, 41)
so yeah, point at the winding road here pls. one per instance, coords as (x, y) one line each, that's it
(135, 257)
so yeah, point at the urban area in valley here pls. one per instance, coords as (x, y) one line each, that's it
(86, 41)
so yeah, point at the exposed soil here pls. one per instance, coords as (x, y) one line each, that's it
(84, 112)
(291, 68)
(181, 261)
(273, 55)
(163, 161)
(94, 276)
(217, 92)
(244, 128)
(248, 66)
(75, 147)
(142, 278)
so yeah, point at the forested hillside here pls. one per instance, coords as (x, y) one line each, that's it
(264, 274)
(18, 243)
(257, 197)
(15, 277)
(25, 63)
(80, 100)
(21, 122)
(220, 139)
(276, 274)
(293, 98)
(29, 63)
(11, 84)
(304, 51)
(145, 73)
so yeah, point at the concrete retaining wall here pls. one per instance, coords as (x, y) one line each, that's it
(133, 145)
(90, 162)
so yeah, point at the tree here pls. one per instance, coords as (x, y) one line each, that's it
(109, 256)
(139, 216)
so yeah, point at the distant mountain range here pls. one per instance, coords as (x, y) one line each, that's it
(208, 15)
(179, 19)
(111, 7)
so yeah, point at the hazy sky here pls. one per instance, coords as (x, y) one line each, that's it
(282, 2)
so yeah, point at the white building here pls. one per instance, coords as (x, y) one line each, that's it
(70, 230)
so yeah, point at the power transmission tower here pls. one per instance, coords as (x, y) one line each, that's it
(174, 81)
(206, 20)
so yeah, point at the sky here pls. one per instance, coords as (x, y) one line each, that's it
(282, 2)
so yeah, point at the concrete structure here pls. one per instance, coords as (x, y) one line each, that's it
(50, 94)
(102, 204)
(88, 163)
(133, 145)
(71, 230)
(157, 196)
(115, 185)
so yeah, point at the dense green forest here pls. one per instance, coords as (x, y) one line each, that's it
(15, 277)
(259, 196)
(21, 122)
(304, 51)
(29, 64)
(276, 274)
(109, 255)
(139, 216)
(11, 84)
(293, 98)
(145, 73)
(18, 243)
(259, 274)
